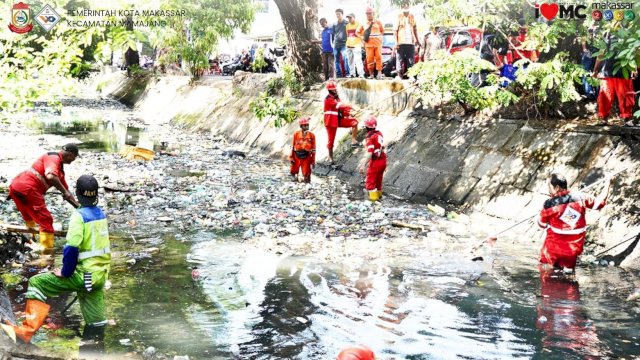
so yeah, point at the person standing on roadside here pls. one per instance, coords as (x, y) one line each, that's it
(406, 33)
(327, 50)
(339, 30)
(432, 43)
(371, 34)
(354, 48)
(613, 85)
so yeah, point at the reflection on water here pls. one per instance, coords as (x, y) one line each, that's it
(285, 307)
(95, 134)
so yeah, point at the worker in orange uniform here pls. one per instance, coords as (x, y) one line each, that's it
(371, 34)
(375, 159)
(28, 188)
(359, 352)
(337, 114)
(303, 151)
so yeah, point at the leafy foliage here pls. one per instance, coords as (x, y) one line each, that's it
(193, 37)
(281, 111)
(550, 82)
(287, 82)
(449, 78)
(259, 62)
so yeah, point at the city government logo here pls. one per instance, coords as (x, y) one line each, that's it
(20, 18)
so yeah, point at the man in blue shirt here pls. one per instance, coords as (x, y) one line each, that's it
(327, 50)
(340, 44)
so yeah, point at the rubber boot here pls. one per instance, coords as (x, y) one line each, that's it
(330, 156)
(379, 194)
(374, 195)
(46, 239)
(294, 177)
(36, 312)
(32, 225)
(307, 179)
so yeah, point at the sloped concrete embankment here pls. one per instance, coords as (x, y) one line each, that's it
(495, 167)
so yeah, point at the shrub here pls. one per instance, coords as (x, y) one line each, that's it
(281, 111)
(449, 78)
(549, 83)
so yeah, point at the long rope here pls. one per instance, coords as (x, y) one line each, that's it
(620, 243)
(585, 188)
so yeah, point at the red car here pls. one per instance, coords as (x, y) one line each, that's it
(459, 38)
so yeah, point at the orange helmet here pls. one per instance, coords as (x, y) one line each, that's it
(369, 10)
(331, 85)
(303, 121)
(370, 121)
(356, 353)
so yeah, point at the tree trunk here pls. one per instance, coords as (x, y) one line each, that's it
(300, 18)
(131, 56)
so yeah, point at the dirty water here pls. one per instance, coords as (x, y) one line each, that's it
(188, 288)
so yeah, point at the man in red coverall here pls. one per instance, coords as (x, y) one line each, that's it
(564, 218)
(613, 85)
(28, 188)
(303, 151)
(356, 353)
(375, 159)
(336, 114)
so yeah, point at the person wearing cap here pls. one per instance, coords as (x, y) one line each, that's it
(372, 33)
(85, 267)
(303, 151)
(375, 159)
(563, 216)
(28, 188)
(406, 33)
(354, 48)
(359, 352)
(337, 114)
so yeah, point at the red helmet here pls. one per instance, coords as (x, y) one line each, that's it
(370, 121)
(356, 353)
(369, 10)
(303, 121)
(331, 85)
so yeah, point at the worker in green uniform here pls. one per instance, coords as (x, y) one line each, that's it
(85, 267)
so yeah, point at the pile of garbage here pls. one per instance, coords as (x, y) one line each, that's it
(199, 181)
(14, 249)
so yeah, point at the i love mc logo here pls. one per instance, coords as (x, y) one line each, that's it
(600, 10)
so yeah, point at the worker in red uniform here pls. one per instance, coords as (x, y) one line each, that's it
(28, 188)
(303, 151)
(337, 114)
(359, 352)
(613, 85)
(564, 218)
(375, 160)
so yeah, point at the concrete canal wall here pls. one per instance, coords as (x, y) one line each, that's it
(493, 166)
